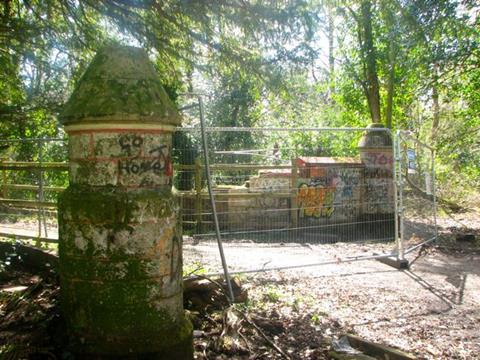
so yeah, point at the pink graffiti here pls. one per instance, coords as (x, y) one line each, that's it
(379, 159)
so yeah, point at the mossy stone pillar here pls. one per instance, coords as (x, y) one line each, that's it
(375, 149)
(119, 230)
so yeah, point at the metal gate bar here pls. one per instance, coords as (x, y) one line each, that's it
(212, 199)
(332, 262)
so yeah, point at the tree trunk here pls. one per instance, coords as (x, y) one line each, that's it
(190, 80)
(391, 79)
(436, 104)
(369, 56)
(390, 93)
(331, 58)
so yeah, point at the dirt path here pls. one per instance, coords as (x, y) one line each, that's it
(432, 310)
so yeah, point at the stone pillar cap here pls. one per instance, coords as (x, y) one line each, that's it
(120, 86)
(375, 139)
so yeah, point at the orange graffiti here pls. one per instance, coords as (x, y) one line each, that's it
(315, 201)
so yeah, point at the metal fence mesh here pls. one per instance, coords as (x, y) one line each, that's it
(417, 188)
(284, 197)
(279, 193)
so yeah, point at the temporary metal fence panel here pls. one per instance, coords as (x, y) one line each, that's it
(286, 197)
(417, 191)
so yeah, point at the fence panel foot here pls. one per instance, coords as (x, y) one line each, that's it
(401, 264)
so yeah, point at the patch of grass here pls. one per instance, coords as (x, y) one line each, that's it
(317, 315)
(272, 294)
(195, 268)
(315, 319)
(246, 305)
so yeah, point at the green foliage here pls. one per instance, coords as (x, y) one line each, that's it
(195, 268)
(262, 64)
(235, 103)
(272, 294)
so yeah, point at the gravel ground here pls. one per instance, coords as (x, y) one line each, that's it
(431, 310)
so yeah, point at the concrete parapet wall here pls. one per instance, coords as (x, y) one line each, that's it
(325, 190)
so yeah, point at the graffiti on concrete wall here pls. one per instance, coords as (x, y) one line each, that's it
(257, 212)
(314, 200)
(345, 180)
(335, 192)
(260, 183)
(347, 191)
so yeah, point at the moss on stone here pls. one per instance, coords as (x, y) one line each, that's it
(111, 298)
(375, 138)
(85, 169)
(85, 268)
(112, 205)
(120, 82)
(120, 258)
(174, 342)
(121, 296)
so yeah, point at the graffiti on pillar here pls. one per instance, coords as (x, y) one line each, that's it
(130, 144)
(378, 159)
(162, 160)
(157, 162)
(379, 195)
(378, 172)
